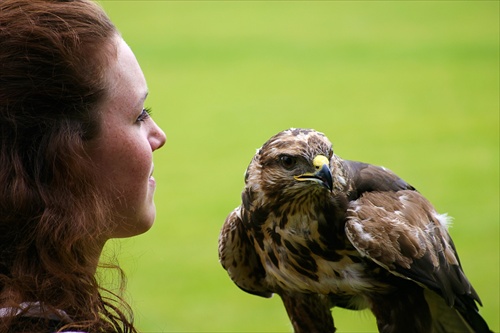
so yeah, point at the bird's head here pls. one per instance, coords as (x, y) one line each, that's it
(292, 161)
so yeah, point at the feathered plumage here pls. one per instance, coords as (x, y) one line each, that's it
(321, 232)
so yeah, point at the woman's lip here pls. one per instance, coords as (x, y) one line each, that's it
(152, 180)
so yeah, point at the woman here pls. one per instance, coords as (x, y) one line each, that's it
(76, 167)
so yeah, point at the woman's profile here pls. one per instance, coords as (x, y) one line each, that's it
(76, 145)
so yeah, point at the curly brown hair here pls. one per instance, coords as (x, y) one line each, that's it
(53, 216)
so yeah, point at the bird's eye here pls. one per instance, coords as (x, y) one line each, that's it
(287, 161)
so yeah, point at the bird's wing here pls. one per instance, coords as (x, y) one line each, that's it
(238, 257)
(365, 177)
(402, 232)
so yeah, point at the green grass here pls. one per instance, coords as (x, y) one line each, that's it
(413, 86)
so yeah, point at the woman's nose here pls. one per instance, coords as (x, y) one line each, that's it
(157, 136)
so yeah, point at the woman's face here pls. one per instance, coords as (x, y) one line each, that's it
(123, 151)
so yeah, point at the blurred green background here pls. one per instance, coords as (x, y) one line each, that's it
(413, 86)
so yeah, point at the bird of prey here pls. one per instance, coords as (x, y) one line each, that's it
(321, 232)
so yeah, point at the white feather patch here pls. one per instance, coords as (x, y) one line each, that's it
(361, 232)
(443, 219)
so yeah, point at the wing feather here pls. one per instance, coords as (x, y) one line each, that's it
(368, 178)
(402, 232)
(237, 255)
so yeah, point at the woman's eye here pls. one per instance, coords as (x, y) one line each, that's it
(287, 161)
(145, 114)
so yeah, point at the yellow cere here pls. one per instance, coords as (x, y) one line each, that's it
(319, 161)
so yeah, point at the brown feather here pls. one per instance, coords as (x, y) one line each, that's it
(238, 257)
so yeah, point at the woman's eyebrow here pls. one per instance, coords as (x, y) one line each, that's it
(141, 101)
(146, 93)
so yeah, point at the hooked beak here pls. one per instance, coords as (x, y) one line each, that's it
(323, 174)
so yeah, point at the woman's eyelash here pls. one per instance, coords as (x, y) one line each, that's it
(145, 114)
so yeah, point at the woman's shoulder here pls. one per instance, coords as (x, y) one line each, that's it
(31, 317)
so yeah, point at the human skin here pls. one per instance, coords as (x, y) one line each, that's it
(123, 150)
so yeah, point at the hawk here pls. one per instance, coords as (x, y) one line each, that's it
(321, 232)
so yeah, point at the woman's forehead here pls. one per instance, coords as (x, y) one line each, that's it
(125, 78)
